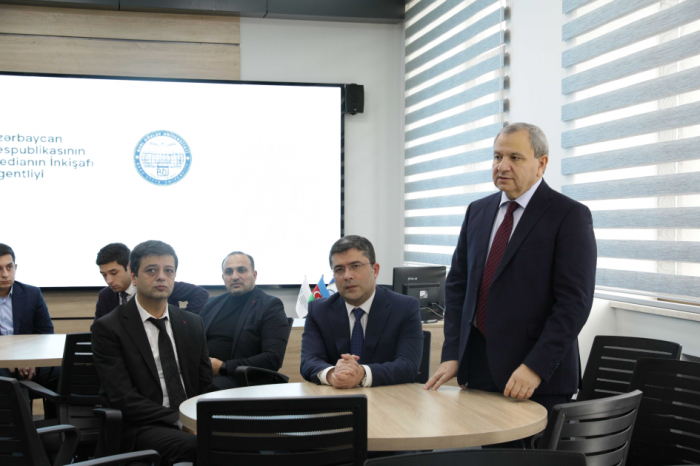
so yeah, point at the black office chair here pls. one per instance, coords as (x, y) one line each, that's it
(424, 369)
(247, 376)
(20, 443)
(328, 430)
(611, 362)
(667, 430)
(76, 400)
(483, 458)
(600, 429)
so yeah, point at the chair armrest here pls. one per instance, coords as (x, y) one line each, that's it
(147, 455)
(110, 432)
(39, 391)
(243, 373)
(535, 441)
(69, 444)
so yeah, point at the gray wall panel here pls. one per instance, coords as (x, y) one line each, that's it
(465, 158)
(649, 154)
(679, 217)
(652, 122)
(681, 251)
(677, 83)
(454, 200)
(647, 186)
(653, 57)
(460, 119)
(474, 135)
(483, 176)
(679, 285)
(672, 17)
(601, 16)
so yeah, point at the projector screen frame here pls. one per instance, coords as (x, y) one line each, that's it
(208, 81)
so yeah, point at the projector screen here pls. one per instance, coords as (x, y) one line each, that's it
(208, 167)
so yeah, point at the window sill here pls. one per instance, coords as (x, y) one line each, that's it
(656, 311)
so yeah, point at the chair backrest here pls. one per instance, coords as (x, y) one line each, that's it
(611, 362)
(488, 457)
(667, 430)
(600, 429)
(424, 369)
(79, 387)
(329, 430)
(19, 442)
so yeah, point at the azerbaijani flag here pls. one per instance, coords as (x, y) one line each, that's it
(320, 290)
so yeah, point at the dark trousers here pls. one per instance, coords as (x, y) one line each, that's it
(475, 369)
(224, 382)
(173, 445)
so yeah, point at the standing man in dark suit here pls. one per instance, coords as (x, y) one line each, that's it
(244, 327)
(521, 283)
(23, 312)
(113, 261)
(151, 357)
(362, 335)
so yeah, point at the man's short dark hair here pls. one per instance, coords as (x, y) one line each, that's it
(114, 252)
(149, 248)
(353, 242)
(252, 262)
(5, 250)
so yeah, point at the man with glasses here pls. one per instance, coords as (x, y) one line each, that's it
(363, 335)
(246, 326)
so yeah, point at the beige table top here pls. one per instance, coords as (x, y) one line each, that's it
(31, 350)
(406, 417)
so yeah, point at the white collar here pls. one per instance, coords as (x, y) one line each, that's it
(145, 315)
(131, 291)
(524, 198)
(364, 306)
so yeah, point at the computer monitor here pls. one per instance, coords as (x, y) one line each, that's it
(427, 285)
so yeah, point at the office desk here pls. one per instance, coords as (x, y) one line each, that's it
(31, 350)
(406, 417)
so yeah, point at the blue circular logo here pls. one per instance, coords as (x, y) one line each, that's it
(162, 158)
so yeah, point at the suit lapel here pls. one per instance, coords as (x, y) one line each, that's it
(247, 312)
(17, 306)
(538, 205)
(339, 323)
(208, 319)
(376, 321)
(134, 327)
(178, 322)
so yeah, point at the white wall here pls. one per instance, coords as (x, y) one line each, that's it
(340, 53)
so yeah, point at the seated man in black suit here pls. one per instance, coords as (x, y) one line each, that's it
(363, 335)
(113, 261)
(23, 312)
(151, 357)
(244, 327)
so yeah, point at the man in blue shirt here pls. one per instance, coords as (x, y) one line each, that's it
(23, 312)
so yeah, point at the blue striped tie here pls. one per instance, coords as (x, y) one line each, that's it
(358, 337)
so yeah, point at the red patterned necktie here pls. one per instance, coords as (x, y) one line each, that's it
(498, 247)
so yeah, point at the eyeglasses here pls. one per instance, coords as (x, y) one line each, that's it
(340, 270)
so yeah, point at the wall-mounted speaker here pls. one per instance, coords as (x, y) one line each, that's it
(353, 98)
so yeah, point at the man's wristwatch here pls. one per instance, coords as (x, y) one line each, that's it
(222, 369)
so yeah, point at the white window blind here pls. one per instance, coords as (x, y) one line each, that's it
(455, 78)
(632, 90)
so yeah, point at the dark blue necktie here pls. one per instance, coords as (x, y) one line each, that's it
(358, 337)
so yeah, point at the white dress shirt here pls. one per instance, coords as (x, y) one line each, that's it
(363, 321)
(152, 334)
(6, 320)
(522, 201)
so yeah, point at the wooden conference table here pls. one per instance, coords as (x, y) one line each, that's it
(406, 417)
(31, 350)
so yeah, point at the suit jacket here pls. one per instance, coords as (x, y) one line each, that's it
(261, 334)
(127, 368)
(541, 293)
(30, 316)
(393, 344)
(196, 298)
